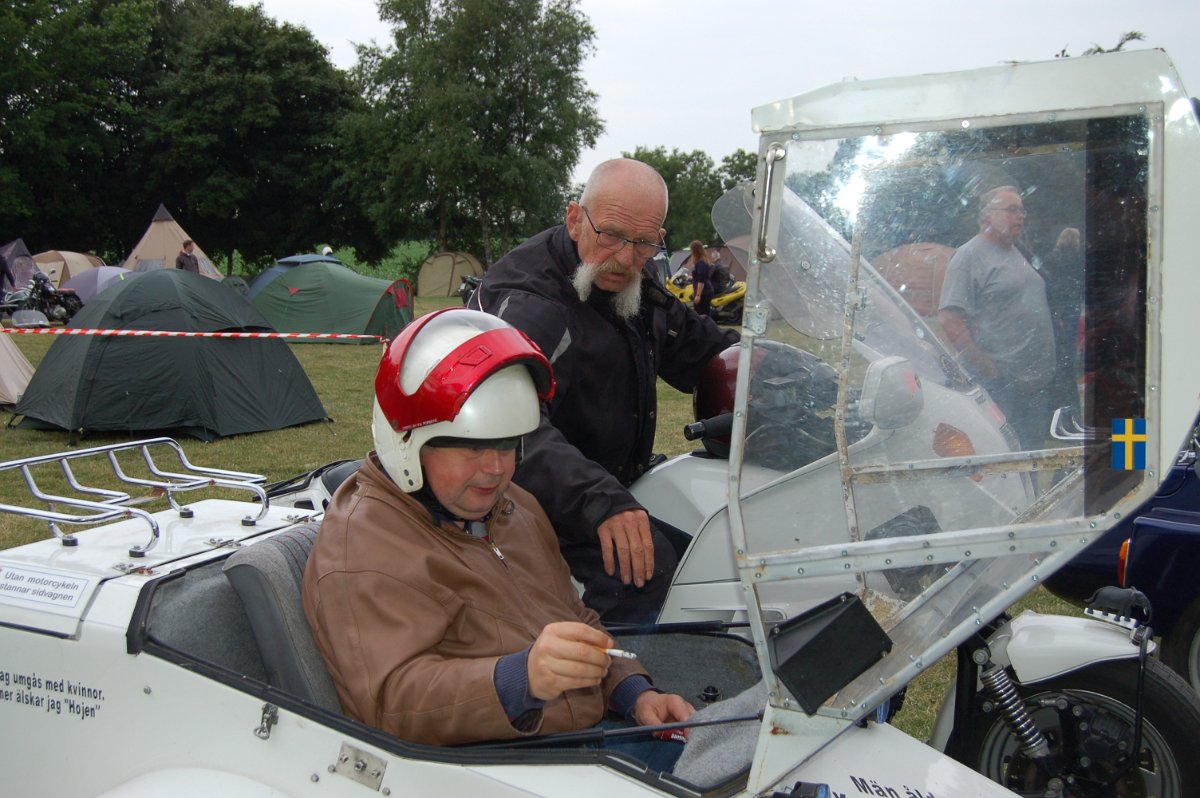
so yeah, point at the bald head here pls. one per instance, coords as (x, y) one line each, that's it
(621, 179)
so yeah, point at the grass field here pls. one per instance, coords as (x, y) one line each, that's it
(343, 376)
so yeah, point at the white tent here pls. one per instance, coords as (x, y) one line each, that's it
(441, 273)
(15, 371)
(61, 265)
(161, 242)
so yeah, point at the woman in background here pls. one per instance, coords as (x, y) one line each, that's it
(702, 285)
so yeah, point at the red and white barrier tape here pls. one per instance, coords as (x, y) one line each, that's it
(174, 334)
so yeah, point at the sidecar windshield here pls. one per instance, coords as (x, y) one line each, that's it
(928, 296)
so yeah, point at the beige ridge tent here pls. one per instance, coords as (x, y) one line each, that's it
(442, 272)
(160, 244)
(61, 265)
(15, 371)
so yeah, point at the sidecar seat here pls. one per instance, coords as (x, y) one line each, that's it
(267, 576)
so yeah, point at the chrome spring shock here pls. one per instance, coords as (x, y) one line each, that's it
(1030, 737)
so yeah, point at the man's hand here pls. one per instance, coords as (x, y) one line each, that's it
(653, 708)
(629, 533)
(567, 656)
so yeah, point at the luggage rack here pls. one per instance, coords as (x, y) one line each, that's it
(110, 504)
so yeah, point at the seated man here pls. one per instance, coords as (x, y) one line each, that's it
(436, 591)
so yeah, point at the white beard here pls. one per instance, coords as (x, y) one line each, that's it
(625, 303)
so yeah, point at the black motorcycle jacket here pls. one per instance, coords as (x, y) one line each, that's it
(597, 433)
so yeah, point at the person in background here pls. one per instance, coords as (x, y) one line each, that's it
(186, 260)
(702, 282)
(435, 589)
(578, 291)
(993, 310)
(6, 275)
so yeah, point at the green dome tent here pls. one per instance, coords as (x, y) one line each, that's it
(204, 387)
(320, 297)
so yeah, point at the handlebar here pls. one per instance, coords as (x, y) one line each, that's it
(718, 426)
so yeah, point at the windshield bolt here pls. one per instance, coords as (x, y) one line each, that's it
(314, 778)
(146, 689)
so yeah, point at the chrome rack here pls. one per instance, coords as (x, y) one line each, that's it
(108, 504)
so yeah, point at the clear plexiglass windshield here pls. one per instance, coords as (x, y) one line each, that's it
(940, 317)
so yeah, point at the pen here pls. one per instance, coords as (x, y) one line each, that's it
(616, 652)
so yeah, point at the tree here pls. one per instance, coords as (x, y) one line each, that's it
(480, 113)
(737, 167)
(239, 131)
(693, 185)
(68, 87)
(1126, 38)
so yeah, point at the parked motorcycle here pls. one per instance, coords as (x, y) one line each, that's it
(856, 435)
(41, 297)
(467, 286)
(727, 302)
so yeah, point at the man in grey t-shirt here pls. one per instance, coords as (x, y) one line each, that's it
(994, 311)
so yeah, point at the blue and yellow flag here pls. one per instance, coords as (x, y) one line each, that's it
(1129, 444)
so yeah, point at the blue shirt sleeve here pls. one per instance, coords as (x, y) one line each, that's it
(511, 678)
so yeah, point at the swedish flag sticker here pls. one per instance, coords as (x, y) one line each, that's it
(1129, 444)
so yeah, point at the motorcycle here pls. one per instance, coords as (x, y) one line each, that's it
(863, 510)
(467, 286)
(727, 302)
(857, 436)
(39, 303)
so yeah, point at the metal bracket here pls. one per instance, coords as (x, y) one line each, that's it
(360, 766)
(270, 716)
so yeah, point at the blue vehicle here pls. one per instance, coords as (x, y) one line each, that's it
(1157, 551)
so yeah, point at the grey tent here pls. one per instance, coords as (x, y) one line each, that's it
(20, 265)
(204, 387)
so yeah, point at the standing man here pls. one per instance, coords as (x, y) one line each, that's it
(186, 259)
(578, 291)
(994, 311)
(6, 275)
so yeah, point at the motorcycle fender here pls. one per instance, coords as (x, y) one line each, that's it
(1042, 647)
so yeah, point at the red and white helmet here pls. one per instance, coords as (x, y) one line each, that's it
(455, 373)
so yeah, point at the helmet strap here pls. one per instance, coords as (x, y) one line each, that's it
(476, 528)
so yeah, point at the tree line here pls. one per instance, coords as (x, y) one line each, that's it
(463, 131)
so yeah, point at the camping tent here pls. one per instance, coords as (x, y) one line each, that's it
(237, 283)
(441, 273)
(93, 281)
(320, 297)
(159, 245)
(283, 266)
(61, 265)
(15, 372)
(393, 311)
(204, 387)
(20, 264)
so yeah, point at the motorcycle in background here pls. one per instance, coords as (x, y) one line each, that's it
(39, 303)
(727, 303)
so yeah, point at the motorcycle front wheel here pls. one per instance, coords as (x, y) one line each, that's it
(1087, 717)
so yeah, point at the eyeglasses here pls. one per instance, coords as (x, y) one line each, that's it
(1013, 209)
(643, 249)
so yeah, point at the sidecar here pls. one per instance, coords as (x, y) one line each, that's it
(167, 646)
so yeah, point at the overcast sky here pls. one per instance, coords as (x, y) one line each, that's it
(685, 73)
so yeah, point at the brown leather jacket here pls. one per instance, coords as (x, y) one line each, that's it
(412, 617)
